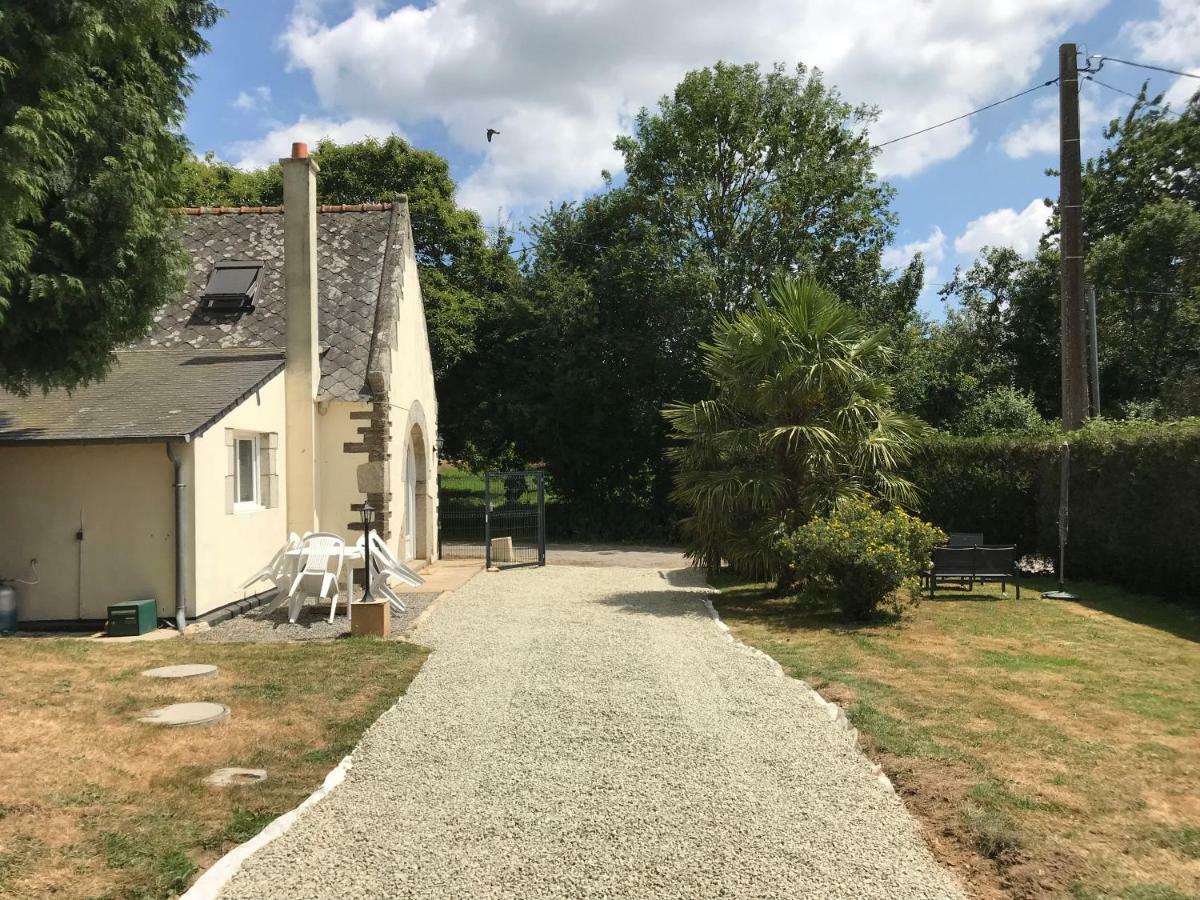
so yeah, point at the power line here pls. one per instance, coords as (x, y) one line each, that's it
(1103, 84)
(895, 140)
(992, 105)
(1125, 62)
(1111, 87)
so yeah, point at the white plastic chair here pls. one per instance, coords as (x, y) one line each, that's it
(321, 548)
(384, 566)
(289, 561)
(279, 563)
(380, 588)
(384, 559)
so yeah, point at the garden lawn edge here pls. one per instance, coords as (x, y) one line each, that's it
(836, 714)
(209, 885)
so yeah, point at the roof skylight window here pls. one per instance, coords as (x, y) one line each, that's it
(231, 286)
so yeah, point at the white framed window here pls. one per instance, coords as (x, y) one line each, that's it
(251, 471)
(246, 485)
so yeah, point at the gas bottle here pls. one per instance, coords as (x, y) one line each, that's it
(8, 608)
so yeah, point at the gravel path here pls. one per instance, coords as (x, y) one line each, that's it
(311, 625)
(593, 733)
(631, 555)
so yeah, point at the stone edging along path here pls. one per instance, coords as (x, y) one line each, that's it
(836, 714)
(209, 885)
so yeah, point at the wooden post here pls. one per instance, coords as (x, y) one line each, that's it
(1070, 211)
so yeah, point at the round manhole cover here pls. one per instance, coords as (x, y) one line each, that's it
(232, 777)
(187, 670)
(179, 714)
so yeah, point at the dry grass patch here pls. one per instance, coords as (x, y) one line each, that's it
(1051, 748)
(95, 804)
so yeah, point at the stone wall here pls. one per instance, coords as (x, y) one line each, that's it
(373, 477)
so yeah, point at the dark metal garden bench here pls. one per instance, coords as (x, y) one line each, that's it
(967, 565)
(965, 539)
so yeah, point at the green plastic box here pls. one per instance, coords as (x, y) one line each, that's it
(132, 618)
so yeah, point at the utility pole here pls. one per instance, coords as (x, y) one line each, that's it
(1070, 211)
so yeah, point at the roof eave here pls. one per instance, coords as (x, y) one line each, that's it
(242, 398)
(94, 439)
(184, 436)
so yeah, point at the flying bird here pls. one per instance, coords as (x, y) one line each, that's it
(490, 132)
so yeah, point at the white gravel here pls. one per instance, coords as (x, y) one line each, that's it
(593, 733)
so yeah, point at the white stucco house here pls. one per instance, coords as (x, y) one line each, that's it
(288, 383)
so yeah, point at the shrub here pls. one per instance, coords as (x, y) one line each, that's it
(1001, 410)
(860, 556)
(799, 419)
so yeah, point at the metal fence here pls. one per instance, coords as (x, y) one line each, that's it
(499, 517)
(461, 527)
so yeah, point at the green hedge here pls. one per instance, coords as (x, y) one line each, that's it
(1135, 499)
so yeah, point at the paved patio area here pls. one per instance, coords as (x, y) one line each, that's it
(591, 732)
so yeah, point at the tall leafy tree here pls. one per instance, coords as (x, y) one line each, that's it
(91, 99)
(603, 333)
(798, 421)
(208, 181)
(737, 174)
(755, 172)
(999, 337)
(1142, 211)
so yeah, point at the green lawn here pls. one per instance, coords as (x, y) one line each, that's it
(95, 804)
(1052, 748)
(464, 479)
(468, 486)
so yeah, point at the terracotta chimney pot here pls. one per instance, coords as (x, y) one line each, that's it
(299, 150)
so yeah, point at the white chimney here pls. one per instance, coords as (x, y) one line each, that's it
(302, 373)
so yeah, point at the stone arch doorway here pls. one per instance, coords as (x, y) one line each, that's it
(416, 496)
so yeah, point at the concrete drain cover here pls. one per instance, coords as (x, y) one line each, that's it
(232, 777)
(178, 714)
(189, 670)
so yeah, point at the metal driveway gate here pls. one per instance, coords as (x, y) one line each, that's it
(501, 520)
(515, 518)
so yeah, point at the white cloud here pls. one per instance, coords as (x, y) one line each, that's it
(933, 249)
(1172, 39)
(1039, 134)
(1005, 228)
(277, 143)
(255, 98)
(561, 78)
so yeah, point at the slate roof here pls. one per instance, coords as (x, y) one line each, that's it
(352, 244)
(148, 395)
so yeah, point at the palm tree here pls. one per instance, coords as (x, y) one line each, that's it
(799, 421)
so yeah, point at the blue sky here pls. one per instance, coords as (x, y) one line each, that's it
(561, 78)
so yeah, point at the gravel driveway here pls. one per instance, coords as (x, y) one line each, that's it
(593, 733)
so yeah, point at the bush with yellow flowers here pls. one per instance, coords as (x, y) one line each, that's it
(862, 557)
